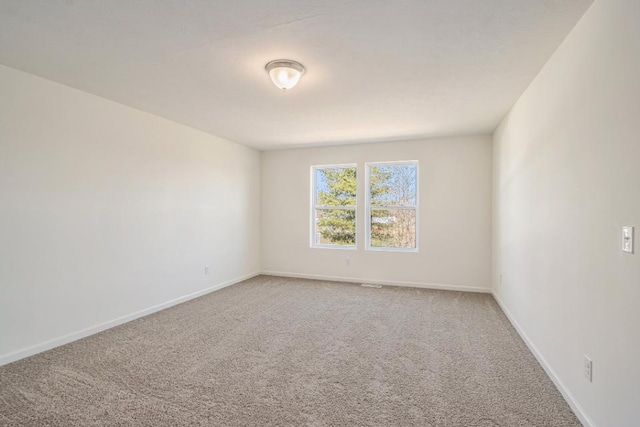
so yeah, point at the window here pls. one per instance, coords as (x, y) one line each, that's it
(392, 206)
(333, 210)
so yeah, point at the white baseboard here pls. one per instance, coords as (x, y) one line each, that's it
(577, 409)
(379, 282)
(65, 339)
(74, 336)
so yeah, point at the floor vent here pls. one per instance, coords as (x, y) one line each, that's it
(370, 285)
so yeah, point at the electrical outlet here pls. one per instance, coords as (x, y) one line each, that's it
(588, 368)
(206, 270)
(347, 261)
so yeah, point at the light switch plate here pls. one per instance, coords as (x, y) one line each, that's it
(627, 239)
(588, 368)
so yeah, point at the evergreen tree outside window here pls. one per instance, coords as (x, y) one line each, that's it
(334, 206)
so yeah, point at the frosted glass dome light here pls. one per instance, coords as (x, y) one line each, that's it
(285, 73)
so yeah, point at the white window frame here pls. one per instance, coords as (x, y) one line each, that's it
(315, 206)
(368, 207)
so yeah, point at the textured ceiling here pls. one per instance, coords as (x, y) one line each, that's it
(376, 70)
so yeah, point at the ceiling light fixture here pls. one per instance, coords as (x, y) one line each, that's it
(285, 73)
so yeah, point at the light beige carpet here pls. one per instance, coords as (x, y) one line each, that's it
(287, 352)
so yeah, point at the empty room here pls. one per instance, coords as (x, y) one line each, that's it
(320, 213)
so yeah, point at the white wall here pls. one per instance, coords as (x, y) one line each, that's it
(566, 179)
(106, 211)
(454, 219)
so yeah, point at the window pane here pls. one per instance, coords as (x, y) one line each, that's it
(335, 227)
(336, 187)
(393, 185)
(393, 228)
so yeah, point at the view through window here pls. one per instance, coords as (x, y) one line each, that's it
(392, 205)
(334, 206)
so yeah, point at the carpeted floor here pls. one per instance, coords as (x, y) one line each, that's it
(288, 352)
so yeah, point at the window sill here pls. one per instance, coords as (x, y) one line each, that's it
(341, 247)
(376, 249)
